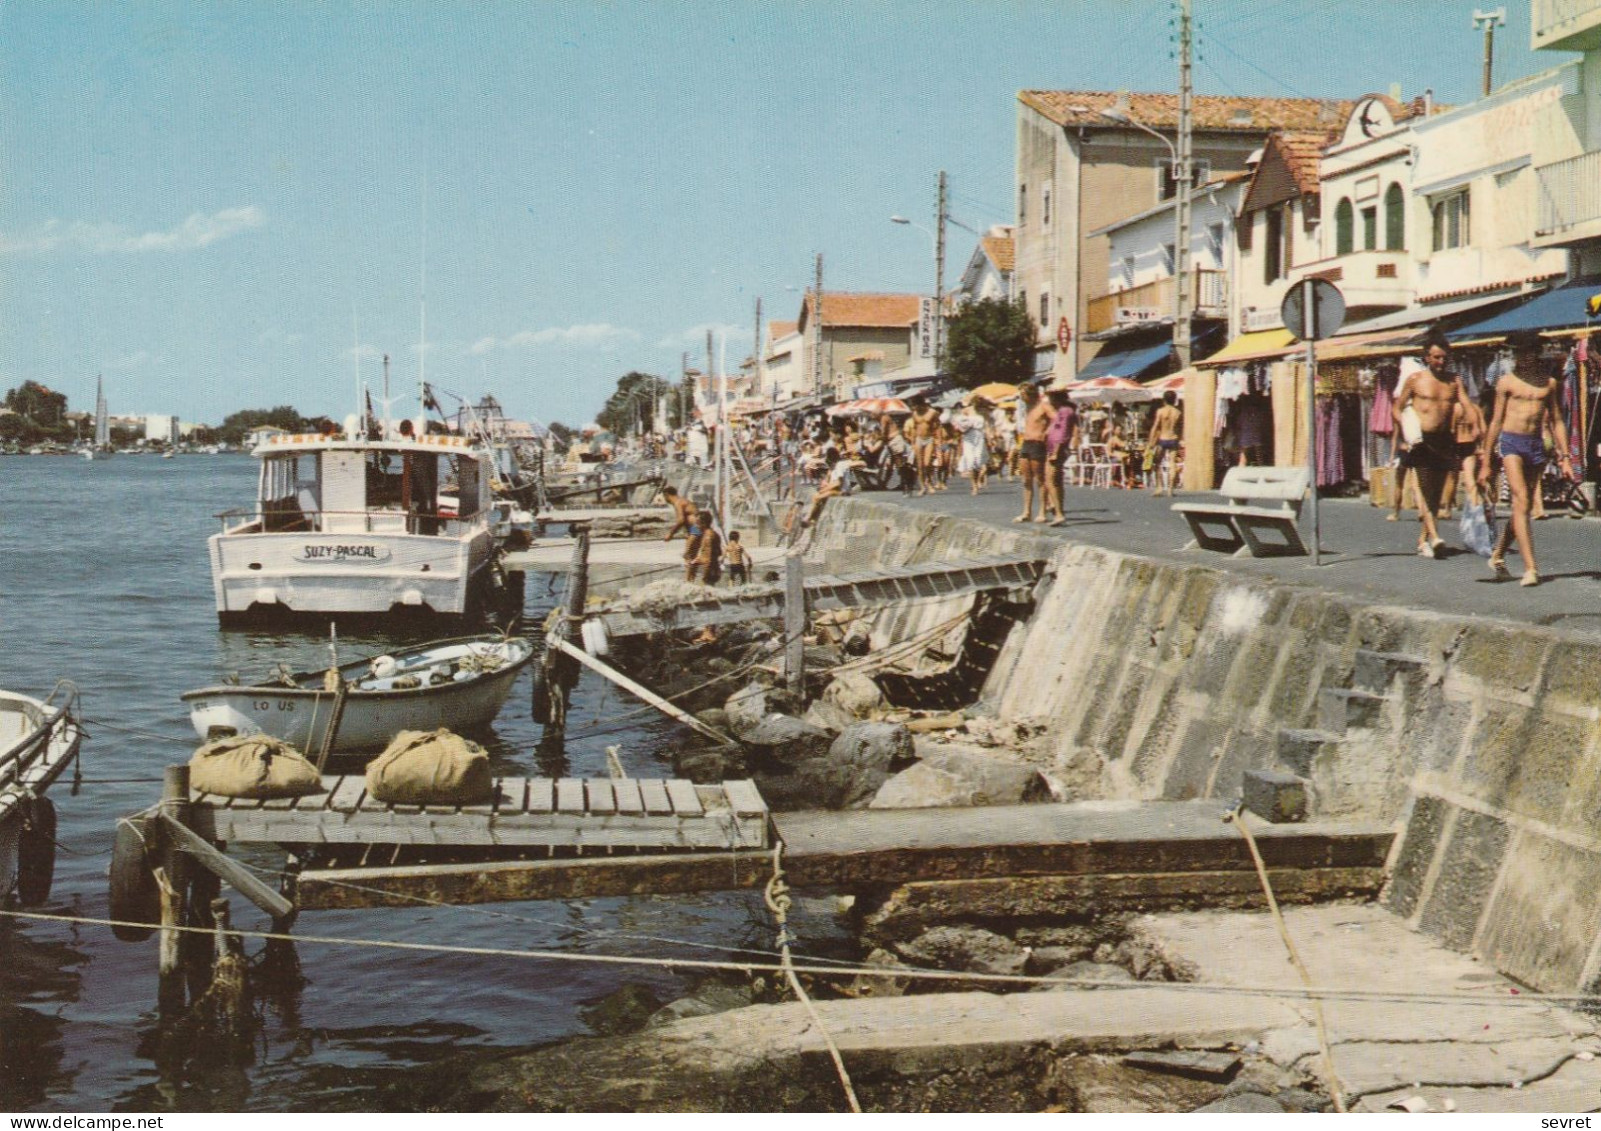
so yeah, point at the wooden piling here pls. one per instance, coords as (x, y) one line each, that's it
(795, 624)
(561, 671)
(174, 887)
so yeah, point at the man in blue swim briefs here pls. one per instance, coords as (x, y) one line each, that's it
(1437, 397)
(1525, 401)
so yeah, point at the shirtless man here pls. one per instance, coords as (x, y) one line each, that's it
(1037, 417)
(683, 512)
(922, 430)
(1525, 400)
(1164, 440)
(1437, 397)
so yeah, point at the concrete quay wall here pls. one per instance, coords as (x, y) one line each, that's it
(1480, 739)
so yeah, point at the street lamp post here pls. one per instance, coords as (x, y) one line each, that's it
(939, 283)
(1182, 306)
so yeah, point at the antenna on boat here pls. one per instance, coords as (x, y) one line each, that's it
(422, 302)
(387, 397)
(355, 353)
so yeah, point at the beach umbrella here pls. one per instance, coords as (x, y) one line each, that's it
(1111, 390)
(995, 392)
(1173, 384)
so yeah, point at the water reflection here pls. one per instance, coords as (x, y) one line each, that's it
(37, 978)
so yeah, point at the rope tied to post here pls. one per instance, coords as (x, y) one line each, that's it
(778, 902)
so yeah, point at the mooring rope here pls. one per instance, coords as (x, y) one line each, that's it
(1236, 816)
(910, 973)
(778, 902)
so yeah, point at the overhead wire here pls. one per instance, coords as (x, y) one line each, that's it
(1512, 998)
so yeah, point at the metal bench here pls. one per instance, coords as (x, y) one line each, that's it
(1257, 517)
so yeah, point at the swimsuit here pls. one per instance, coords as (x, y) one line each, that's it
(1034, 449)
(1435, 452)
(1168, 445)
(1530, 449)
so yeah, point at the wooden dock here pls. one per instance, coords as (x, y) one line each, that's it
(1132, 851)
(565, 813)
(828, 591)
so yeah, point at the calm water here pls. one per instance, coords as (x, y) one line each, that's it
(104, 580)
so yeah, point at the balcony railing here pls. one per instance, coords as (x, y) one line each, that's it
(1569, 194)
(1554, 22)
(1153, 302)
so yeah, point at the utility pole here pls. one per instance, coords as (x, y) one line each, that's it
(1488, 21)
(940, 213)
(1182, 300)
(683, 383)
(756, 369)
(817, 330)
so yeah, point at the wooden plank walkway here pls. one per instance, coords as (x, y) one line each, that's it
(1135, 851)
(599, 813)
(823, 592)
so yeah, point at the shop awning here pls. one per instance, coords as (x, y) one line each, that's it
(1433, 313)
(1129, 363)
(1382, 344)
(1564, 308)
(1252, 347)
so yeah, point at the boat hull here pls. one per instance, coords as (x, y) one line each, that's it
(300, 716)
(36, 744)
(264, 576)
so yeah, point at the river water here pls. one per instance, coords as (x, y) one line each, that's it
(104, 580)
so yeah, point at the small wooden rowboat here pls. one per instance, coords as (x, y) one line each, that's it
(458, 684)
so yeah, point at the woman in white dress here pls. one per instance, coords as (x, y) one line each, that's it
(973, 424)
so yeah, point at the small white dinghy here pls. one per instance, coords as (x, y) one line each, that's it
(458, 684)
(38, 738)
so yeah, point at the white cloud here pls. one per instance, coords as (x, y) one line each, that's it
(277, 337)
(585, 335)
(695, 337)
(196, 232)
(363, 353)
(133, 360)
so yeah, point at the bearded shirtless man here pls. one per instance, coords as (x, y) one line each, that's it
(1437, 397)
(1525, 400)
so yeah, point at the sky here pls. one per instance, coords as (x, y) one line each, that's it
(227, 206)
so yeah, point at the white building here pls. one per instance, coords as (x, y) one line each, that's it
(988, 274)
(161, 429)
(1567, 134)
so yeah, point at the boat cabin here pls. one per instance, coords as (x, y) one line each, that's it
(429, 485)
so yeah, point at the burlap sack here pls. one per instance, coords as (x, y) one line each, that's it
(430, 768)
(255, 765)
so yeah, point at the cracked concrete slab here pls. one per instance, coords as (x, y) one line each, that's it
(1454, 1025)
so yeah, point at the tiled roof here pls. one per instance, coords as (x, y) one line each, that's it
(1002, 251)
(841, 309)
(1302, 150)
(776, 330)
(1208, 111)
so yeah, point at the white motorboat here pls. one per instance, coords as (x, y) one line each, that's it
(347, 525)
(457, 684)
(38, 739)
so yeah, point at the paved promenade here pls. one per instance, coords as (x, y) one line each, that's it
(1363, 554)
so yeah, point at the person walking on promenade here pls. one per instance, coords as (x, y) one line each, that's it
(922, 430)
(1525, 401)
(1037, 417)
(1060, 439)
(1436, 396)
(973, 425)
(1164, 441)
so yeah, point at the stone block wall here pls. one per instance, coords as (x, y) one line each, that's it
(1479, 739)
